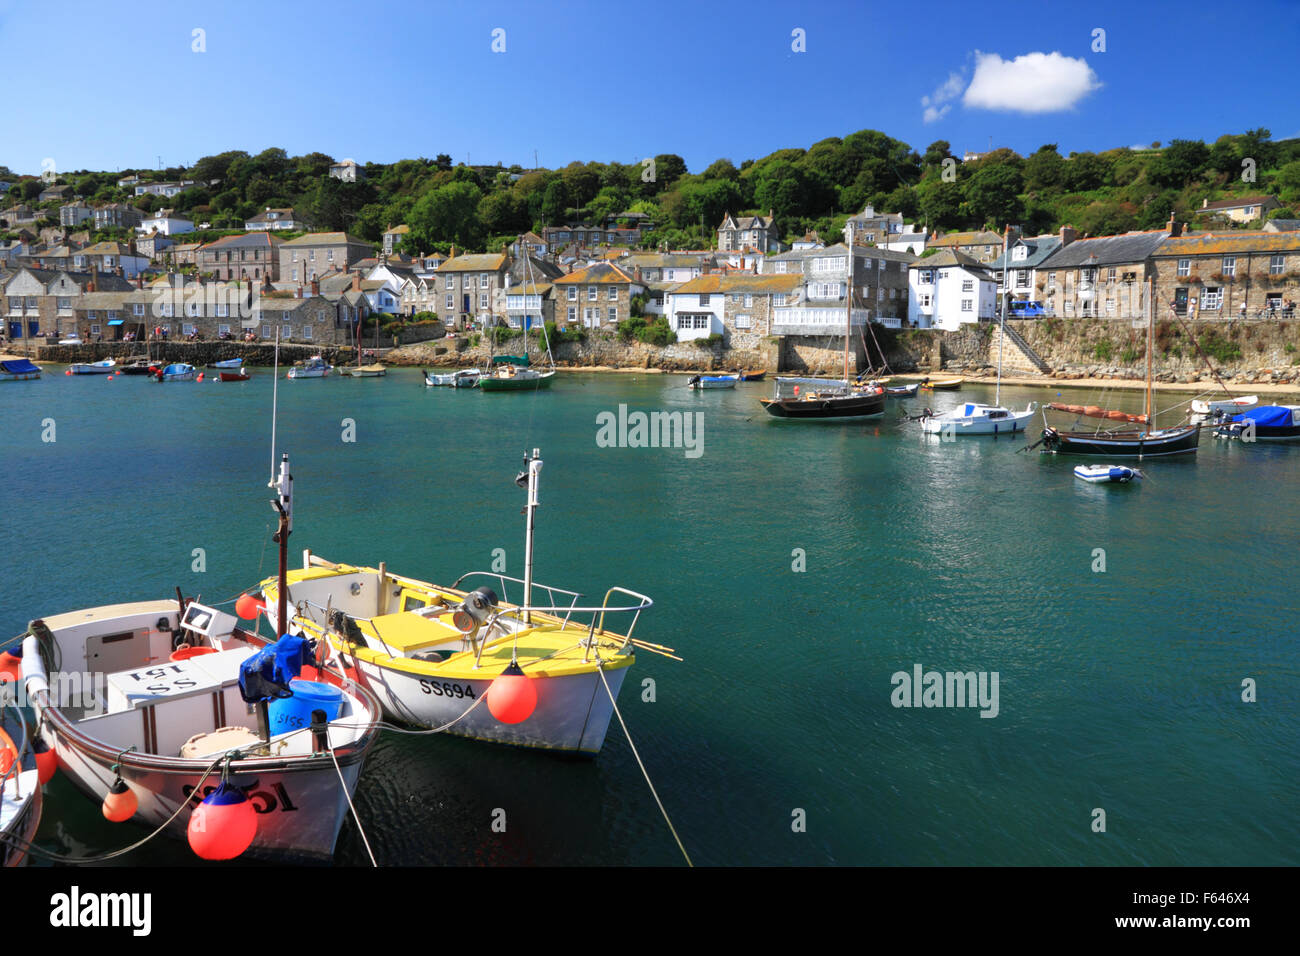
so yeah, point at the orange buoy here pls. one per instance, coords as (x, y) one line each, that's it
(11, 667)
(200, 378)
(120, 802)
(223, 825)
(47, 762)
(512, 698)
(248, 607)
(67, 371)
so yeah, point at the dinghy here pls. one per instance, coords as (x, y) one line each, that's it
(699, 382)
(105, 367)
(943, 384)
(177, 372)
(1100, 474)
(464, 378)
(240, 375)
(363, 371)
(227, 363)
(902, 391)
(20, 787)
(17, 370)
(1225, 406)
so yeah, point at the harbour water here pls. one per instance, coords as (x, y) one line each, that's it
(796, 568)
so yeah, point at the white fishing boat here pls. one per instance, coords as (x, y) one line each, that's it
(363, 371)
(105, 367)
(1225, 406)
(453, 656)
(20, 788)
(1101, 474)
(701, 382)
(314, 367)
(972, 418)
(463, 378)
(172, 724)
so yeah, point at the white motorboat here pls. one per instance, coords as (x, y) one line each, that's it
(166, 714)
(464, 378)
(972, 418)
(20, 788)
(1100, 474)
(363, 371)
(1225, 406)
(105, 367)
(713, 381)
(314, 367)
(227, 363)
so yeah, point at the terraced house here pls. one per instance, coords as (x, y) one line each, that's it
(880, 288)
(253, 256)
(741, 308)
(1229, 275)
(44, 301)
(1104, 277)
(313, 255)
(469, 285)
(599, 295)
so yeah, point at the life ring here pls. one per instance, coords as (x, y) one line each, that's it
(8, 753)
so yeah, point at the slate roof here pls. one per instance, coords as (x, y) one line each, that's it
(1109, 250)
(247, 240)
(1237, 202)
(327, 239)
(1039, 248)
(949, 258)
(1284, 225)
(602, 273)
(1230, 243)
(475, 262)
(732, 284)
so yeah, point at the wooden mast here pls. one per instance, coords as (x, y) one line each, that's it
(1002, 331)
(848, 303)
(1150, 345)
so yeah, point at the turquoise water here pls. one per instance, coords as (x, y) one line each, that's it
(1118, 690)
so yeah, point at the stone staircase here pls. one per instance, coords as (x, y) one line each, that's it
(1018, 355)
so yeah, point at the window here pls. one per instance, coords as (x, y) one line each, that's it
(701, 321)
(266, 331)
(286, 331)
(573, 293)
(1229, 265)
(1110, 306)
(1110, 274)
(744, 321)
(94, 330)
(830, 264)
(90, 316)
(592, 293)
(968, 285)
(613, 314)
(15, 303)
(310, 255)
(482, 300)
(137, 309)
(483, 280)
(306, 331)
(1213, 299)
(967, 305)
(1275, 264)
(923, 300)
(451, 283)
(926, 277)
(112, 314)
(295, 275)
(187, 328)
(613, 293)
(1088, 274)
(704, 298)
(450, 302)
(293, 257)
(573, 313)
(825, 290)
(749, 301)
(223, 329)
(223, 311)
(1019, 254)
(1051, 280)
(65, 303)
(192, 308)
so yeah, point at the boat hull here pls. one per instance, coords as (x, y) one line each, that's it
(826, 409)
(138, 369)
(516, 383)
(20, 816)
(1009, 424)
(466, 378)
(572, 714)
(944, 385)
(227, 363)
(94, 368)
(1183, 440)
(234, 376)
(308, 373)
(1102, 474)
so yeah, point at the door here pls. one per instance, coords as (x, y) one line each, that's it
(117, 652)
(1180, 301)
(33, 328)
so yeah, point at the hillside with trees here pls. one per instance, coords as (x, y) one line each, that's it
(480, 208)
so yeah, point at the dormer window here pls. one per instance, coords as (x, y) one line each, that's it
(1019, 254)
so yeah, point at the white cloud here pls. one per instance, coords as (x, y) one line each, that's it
(938, 103)
(1032, 83)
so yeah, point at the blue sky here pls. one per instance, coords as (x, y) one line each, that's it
(110, 86)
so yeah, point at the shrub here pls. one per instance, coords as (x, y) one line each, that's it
(1103, 350)
(708, 341)
(555, 335)
(1130, 355)
(1218, 347)
(655, 331)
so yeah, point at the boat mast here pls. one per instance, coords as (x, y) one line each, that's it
(1002, 330)
(848, 302)
(1150, 345)
(283, 503)
(528, 478)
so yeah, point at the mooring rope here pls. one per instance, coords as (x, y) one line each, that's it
(600, 669)
(356, 819)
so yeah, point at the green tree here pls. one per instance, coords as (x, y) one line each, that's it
(448, 213)
(1044, 170)
(992, 194)
(1183, 161)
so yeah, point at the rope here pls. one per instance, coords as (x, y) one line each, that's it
(600, 669)
(60, 858)
(356, 819)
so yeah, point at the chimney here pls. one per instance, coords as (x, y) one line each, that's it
(356, 282)
(299, 293)
(139, 280)
(1068, 235)
(1205, 203)
(453, 250)
(315, 287)
(1175, 228)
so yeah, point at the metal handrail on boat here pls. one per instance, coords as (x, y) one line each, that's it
(501, 579)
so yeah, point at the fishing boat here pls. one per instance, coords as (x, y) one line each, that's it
(20, 787)
(902, 391)
(1265, 423)
(314, 367)
(1102, 474)
(177, 372)
(511, 374)
(432, 653)
(227, 363)
(139, 367)
(239, 375)
(974, 418)
(752, 376)
(363, 371)
(106, 367)
(713, 381)
(184, 705)
(1224, 406)
(828, 400)
(18, 370)
(1142, 442)
(464, 378)
(942, 384)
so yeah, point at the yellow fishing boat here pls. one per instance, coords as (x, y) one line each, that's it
(466, 659)
(942, 383)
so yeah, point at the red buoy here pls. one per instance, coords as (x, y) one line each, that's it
(248, 607)
(512, 698)
(223, 825)
(200, 376)
(67, 371)
(11, 667)
(120, 802)
(46, 761)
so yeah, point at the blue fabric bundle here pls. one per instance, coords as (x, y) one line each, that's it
(266, 675)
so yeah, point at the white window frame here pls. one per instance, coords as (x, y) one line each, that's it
(306, 332)
(1276, 264)
(1229, 265)
(286, 331)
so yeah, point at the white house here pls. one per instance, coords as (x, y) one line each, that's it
(910, 240)
(163, 189)
(167, 222)
(949, 289)
(348, 171)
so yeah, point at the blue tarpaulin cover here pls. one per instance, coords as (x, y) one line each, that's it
(17, 366)
(116, 321)
(266, 675)
(1274, 415)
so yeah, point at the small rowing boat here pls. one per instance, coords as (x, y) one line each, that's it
(1226, 406)
(105, 367)
(1101, 474)
(945, 384)
(238, 375)
(902, 391)
(699, 382)
(464, 378)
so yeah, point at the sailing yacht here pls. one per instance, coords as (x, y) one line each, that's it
(1147, 442)
(824, 400)
(973, 418)
(511, 373)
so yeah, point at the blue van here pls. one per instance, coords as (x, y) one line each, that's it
(1026, 310)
